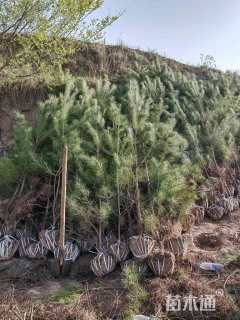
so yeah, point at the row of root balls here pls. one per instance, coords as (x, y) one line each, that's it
(145, 251)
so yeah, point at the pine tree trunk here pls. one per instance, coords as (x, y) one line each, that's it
(137, 191)
(148, 186)
(139, 215)
(119, 212)
(100, 228)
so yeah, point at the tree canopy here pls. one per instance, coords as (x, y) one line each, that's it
(36, 35)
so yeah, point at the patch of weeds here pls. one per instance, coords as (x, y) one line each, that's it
(180, 275)
(137, 295)
(233, 316)
(68, 295)
(227, 259)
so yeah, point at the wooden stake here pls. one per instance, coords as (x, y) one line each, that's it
(63, 206)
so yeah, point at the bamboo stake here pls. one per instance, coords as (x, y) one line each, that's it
(63, 206)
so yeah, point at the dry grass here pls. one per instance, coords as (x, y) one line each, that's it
(184, 286)
(94, 60)
(12, 308)
(104, 299)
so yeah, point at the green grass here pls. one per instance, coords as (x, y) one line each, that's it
(231, 258)
(68, 295)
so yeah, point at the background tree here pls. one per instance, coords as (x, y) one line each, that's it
(37, 35)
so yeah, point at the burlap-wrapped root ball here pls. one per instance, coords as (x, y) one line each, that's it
(141, 246)
(24, 243)
(103, 264)
(199, 213)
(215, 212)
(162, 263)
(71, 252)
(49, 239)
(8, 247)
(229, 204)
(120, 250)
(36, 250)
(174, 245)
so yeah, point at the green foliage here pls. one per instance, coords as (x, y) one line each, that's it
(137, 295)
(8, 175)
(230, 258)
(37, 35)
(136, 146)
(206, 111)
(23, 154)
(22, 159)
(119, 152)
(70, 294)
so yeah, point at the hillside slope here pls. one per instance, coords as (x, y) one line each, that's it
(153, 163)
(91, 61)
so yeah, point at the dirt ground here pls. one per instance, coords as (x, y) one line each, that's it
(106, 298)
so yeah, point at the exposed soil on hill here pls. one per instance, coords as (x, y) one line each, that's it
(49, 297)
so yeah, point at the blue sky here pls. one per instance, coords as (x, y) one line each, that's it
(179, 29)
